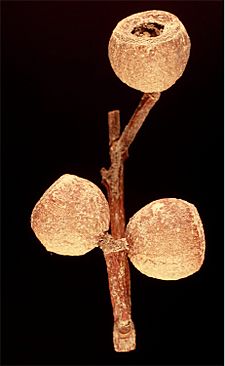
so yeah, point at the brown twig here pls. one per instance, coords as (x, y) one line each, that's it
(130, 131)
(116, 261)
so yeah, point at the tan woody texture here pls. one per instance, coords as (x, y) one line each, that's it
(166, 239)
(71, 216)
(149, 63)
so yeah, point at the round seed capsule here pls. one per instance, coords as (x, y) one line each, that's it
(166, 239)
(71, 216)
(149, 51)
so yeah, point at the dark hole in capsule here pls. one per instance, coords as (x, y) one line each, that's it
(148, 29)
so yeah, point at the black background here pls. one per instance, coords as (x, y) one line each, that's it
(58, 86)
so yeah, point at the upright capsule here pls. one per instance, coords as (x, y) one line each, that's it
(149, 51)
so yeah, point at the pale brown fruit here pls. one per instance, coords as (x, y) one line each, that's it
(166, 239)
(149, 50)
(71, 216)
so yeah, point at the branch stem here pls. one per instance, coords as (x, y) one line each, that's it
(147, 102)
(117, 262)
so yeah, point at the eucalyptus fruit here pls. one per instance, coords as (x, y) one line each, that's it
(149, 51)
(71, 216)
(165, 239)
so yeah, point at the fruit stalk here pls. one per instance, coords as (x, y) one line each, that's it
(117, 262)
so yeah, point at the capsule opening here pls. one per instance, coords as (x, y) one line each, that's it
(148, 29)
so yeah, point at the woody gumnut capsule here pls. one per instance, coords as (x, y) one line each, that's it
(149, 51)
(166, 239)
(71, 216)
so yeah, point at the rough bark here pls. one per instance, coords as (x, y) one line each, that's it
(116, 258)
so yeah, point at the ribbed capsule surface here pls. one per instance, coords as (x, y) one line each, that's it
(71, 216)
(166, 239)
(149, 50)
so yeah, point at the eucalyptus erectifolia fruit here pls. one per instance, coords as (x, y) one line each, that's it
(71, 216)
(149, 51)
(165, 239)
